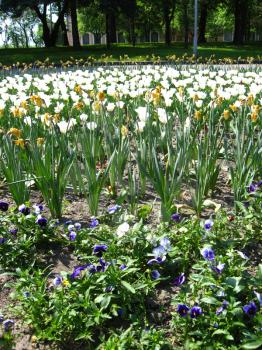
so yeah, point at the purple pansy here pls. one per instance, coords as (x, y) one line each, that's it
(113, 209)
(99, 249)
(13, 231)
(57, 281)
(24, 209)
(195, 311)
(250, 309)
(123, 267)
(155, 274)
(94, 222)
(38, 209)
(179, 280)
(182, 309)
(251, 188)
(222, 307)
(208, 253)
(159, 255)
(219, 268)
(72, 236)
(208, 224)
(3, 206)
(8, 325)
(176, 217)
(77, 226)
(77, 270)
(71, 227)
(41, 221)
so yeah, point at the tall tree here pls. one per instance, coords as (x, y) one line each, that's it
(168, 14)
(240, 12)
(74, 25)
(40, 7)
(110, 9)
(129, 8)
(203, 21)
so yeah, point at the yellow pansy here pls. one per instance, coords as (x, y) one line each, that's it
(65, 283)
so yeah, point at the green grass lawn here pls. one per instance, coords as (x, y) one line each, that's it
(137, 53)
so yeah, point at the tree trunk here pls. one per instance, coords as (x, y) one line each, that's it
(202, 22)
(112, 27)
(241, 15)
(108, 38)
(64, 31)
(186, 24)
(75, 33)
(132, 31)
(50, 37)
(167, 21)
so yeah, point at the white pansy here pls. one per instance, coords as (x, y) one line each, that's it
(122, 229)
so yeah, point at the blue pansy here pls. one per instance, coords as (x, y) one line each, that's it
(208, 253)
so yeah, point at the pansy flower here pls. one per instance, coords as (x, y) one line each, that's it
(4, 206)
(182, 309)
(99, 249)
(208, 253)
(179, 280)
(195, 311)
(250, 309)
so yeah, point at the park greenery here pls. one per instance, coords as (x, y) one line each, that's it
(134, 19)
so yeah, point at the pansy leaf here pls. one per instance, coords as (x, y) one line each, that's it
(210, 300)
(128, 287)
(252, 345)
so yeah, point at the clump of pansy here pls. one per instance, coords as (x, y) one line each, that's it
(209, 255)
(113, 209)
(253, 187)
(72, 230)
(93, 222)
(24, 209)
(159, 255)
(7, 324)
(183, 310)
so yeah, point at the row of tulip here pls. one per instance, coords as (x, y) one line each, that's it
(121, 131)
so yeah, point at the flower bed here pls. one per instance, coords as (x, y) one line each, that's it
(153, 153)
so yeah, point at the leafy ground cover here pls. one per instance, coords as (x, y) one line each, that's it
(123, 52)
(130, 210)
